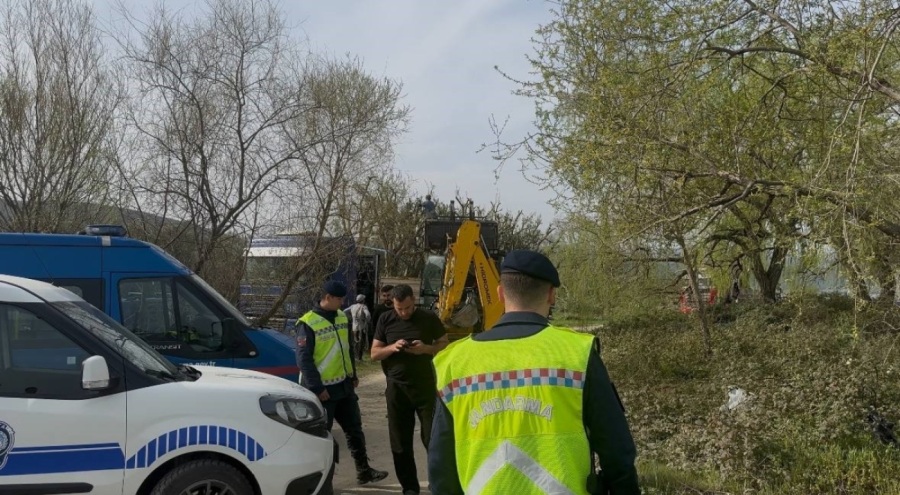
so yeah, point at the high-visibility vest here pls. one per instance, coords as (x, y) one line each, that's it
(332, 353)
(517, 412)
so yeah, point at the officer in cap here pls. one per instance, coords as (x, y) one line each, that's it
(328, 370)
(530, 396)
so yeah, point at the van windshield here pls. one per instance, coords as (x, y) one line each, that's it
(224, 303)
(116, 336)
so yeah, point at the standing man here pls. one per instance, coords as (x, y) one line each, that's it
(329, 371)
(405, 341)
(428, 207)
(361, 324)
(380, 308)
(523, 407)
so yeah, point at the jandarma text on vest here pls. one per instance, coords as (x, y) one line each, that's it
(518, 403)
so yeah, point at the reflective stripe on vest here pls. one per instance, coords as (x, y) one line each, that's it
(332, 352)
(517, 412)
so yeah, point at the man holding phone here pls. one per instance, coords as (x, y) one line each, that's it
(405, 341)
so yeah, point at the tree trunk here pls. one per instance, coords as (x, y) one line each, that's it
(769, 277)
(695, 289)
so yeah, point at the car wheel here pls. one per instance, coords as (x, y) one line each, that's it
(203, 477)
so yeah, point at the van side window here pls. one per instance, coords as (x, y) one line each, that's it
(36, 360)
(169, 316)
(89, 289)
(202, 328)
(74, 289)
(148, 308)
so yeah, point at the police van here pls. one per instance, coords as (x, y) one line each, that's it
(152, 294)
(87, 407)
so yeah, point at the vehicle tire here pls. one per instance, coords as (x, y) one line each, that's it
(203, 477)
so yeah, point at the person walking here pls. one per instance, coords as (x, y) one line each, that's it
(329, 371)
(361, 325)
(406, 339)
(524, 407)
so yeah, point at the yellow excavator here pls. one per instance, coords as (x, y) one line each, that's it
(460, 284)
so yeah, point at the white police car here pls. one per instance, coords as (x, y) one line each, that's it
(87, 407)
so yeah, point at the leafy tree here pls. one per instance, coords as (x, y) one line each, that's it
(744, 127)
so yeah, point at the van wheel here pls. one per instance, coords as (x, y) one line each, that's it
(203, 477)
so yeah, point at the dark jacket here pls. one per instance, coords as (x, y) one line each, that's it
(306, 348)
(602, 413)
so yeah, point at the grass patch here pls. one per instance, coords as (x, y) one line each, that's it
(660, 479)
(812, 370)
(367, 367)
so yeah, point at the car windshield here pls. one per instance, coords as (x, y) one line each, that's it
(225, 303)
(116, 336)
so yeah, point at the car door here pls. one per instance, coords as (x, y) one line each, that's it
(55, 436)
(173, 318)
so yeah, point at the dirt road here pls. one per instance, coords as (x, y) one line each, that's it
(372, 405)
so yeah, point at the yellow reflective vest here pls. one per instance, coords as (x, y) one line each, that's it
(332, 353)
(517, 412)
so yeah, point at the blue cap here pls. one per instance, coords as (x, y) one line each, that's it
(335, 288)
(530, 263)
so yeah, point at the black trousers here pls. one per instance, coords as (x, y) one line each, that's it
(345, 411)
(404, 403)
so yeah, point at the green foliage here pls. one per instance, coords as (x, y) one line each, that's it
(811, 379)
(749, 129)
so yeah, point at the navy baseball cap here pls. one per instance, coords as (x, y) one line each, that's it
(335, 288)
(530, 263)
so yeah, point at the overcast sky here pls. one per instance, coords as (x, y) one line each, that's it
(444, 53)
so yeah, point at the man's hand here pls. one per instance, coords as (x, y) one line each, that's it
(418, 347)
(400, 345)
(355, 382)
(324, 396)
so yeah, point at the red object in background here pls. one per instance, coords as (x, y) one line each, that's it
(685, 307)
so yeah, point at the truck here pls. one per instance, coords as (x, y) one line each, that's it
(460, 284)
(272, 260)
(153, 295)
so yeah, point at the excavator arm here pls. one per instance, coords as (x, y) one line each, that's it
(465, 256)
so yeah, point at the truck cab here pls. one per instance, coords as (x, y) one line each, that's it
(153, 295)
(271, 261)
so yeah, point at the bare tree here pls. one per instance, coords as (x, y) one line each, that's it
(214, 100)
(347, 137)
(395, 223)
(57, 107)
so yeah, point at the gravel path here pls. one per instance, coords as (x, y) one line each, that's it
(374, 416)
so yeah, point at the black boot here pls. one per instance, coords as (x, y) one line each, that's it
(368, 474)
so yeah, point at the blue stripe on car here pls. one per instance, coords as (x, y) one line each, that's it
(48, 459)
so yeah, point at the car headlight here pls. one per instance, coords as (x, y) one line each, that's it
(300, 414)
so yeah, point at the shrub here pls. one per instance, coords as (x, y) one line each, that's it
(811, 377)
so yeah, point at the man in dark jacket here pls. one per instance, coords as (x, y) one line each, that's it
(595, 425)
(325, 358)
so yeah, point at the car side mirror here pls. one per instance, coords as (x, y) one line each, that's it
(94, 373)
(231, 334)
